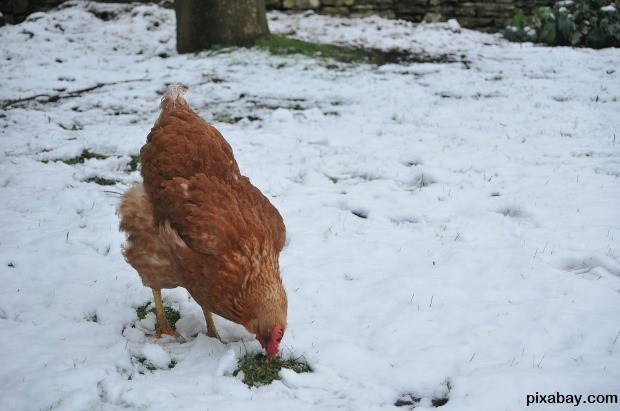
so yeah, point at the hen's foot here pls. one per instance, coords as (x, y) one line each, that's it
(162, 326)
(211, 330)
(166, 329)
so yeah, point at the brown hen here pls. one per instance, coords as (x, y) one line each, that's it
(196, 222)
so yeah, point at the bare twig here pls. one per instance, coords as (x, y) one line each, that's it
(51, 98)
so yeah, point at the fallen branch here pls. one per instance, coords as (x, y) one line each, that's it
(52, 98)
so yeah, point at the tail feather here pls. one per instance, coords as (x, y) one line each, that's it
(173, 95)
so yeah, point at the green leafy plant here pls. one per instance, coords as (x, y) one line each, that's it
(257, 371)
(144, 365)
(172, 314)
(578, 23)
(101, 181)
(134, 163)
(85, 155)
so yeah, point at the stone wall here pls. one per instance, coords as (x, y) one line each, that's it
(15, 11)
(489, 15)
(485, 15)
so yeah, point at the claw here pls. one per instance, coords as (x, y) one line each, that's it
(162, 326)
(166, 328)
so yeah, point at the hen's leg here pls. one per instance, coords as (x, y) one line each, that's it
(162, 326)
(211, 330)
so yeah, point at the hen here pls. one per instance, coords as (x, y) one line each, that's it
(196, 222)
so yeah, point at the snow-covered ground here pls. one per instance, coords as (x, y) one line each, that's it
(453, 229)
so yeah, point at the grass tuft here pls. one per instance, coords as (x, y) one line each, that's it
(91, 316)
(145, 365)
(132, 165)
(257, 371)
(86, 155)
(411, 401)
(101, 181)
(333, 179)
(134, 162)
(143, 310)
(172, 314)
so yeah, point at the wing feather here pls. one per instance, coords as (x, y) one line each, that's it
(213, 216)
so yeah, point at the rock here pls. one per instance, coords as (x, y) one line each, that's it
(454, 26)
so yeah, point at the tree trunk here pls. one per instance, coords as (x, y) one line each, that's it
(203, 24)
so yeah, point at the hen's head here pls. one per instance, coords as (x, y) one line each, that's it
(270, 340)
(269, 324)
(263, 302)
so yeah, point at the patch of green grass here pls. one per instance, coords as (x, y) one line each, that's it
(86, 155)
(225, 117)
(91, 316)
(172, 314)
(134, 162)
(561, 99)
(146, 365)
(333, 179)
(143, 310)
(257, 371)
(284, 46)
(101, 181)
(411, 401)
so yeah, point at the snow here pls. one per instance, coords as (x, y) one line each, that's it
(610, 8)
(451, 226)
(156, 355)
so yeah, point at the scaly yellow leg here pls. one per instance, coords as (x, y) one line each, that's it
(211, 330)
(162, 326)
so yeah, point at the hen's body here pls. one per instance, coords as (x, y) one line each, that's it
(196, 222)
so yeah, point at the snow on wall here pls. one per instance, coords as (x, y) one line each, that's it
(485, 15)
